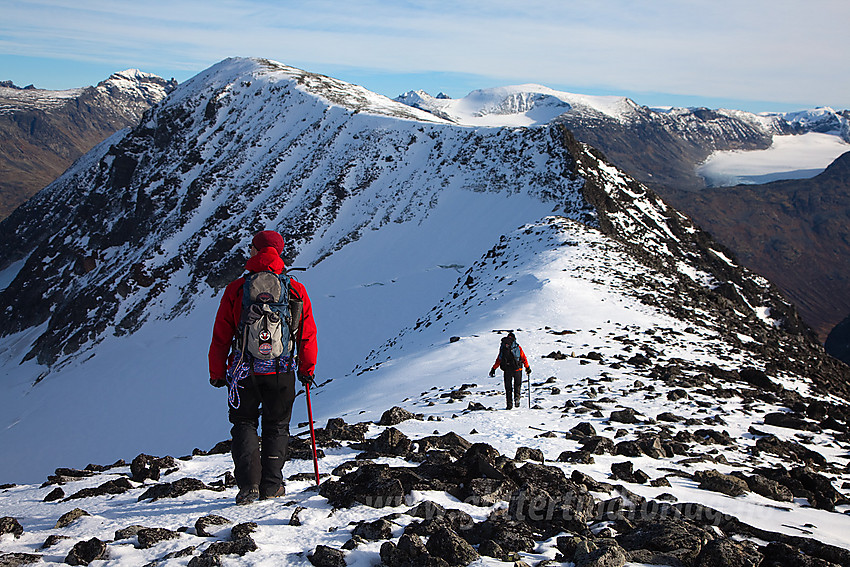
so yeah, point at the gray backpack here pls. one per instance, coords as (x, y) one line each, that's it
(267, 327)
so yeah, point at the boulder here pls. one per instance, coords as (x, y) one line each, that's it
(790, 420)
(758, 379)
(627, 415)
(667, 535)
(18, 559)
(769, 488)
(173, 489)
(145, 467)
(410, 552)
(10, 525)
(52, 540)
(54, 495)
(583, 429)
(391, 442)
(325, 556)
(149, 537)
(115, 486)
(723, 483)
(374, 531)
(243, 530)
(598, 445)
(729, 553)
(529, 454)
(790, 451)
(395, 415)
(373, 485)
(451, 442)
(69, 517)
(84, 552)
(602, 554)
(449, 546)
(201, 524)
(239, 547)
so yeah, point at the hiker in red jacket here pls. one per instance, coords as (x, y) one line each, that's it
(512, 360)
(253, 382)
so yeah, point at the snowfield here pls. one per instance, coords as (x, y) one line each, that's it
(790, 157)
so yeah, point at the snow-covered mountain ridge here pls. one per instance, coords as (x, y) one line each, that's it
(113, 274)
(632, 410)
(42, 132)
(535, 105)
(132, 86)
(660, 146)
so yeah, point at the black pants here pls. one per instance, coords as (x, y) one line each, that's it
(275, 393)
(513, 386)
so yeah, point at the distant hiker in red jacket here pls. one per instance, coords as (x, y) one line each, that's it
(266, 380)
(512, 360)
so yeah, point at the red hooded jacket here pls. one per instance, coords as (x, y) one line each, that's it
(230, 312)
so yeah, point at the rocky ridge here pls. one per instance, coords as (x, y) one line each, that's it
(641, 462)
(44, 131)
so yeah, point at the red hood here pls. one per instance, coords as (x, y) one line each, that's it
(265, 260)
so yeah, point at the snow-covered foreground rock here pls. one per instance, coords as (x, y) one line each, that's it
(649, 440)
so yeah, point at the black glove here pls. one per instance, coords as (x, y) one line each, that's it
(492, 373)
(218, 382)
(528, 371)
(306, 380)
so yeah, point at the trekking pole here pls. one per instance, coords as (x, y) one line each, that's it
(312, 434)
(527, 375)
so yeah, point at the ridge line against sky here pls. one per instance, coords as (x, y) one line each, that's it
(757, 55)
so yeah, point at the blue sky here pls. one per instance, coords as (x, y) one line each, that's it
(758, 55)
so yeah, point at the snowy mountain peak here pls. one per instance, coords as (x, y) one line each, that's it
(518, 105)
(352, 97)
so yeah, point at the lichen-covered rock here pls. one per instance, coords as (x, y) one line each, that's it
(454, 549)
(769, 488)
(128, 532)
(395, 415)
(338, 429)
(239, 547)
(529, 454)
(69, 517)
(729, 553)
(201, 524)
(149, 537)
(84, 552)
(174, 489)
(723, 483)
(667, 535)
(325, 556)
(52, 540)
(377, 530)
(145, 467)
(18, 559)
(116, 486)
(10, 525)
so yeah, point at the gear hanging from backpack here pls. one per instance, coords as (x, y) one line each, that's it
(266, 338)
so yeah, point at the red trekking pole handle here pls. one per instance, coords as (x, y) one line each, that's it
(312, 434)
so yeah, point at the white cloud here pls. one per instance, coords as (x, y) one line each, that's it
(758, 49)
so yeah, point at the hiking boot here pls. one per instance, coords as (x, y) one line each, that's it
(516, 401)
(509, 406)
(247, 495)
(281, 491)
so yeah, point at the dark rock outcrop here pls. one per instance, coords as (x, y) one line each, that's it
(85, 552)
